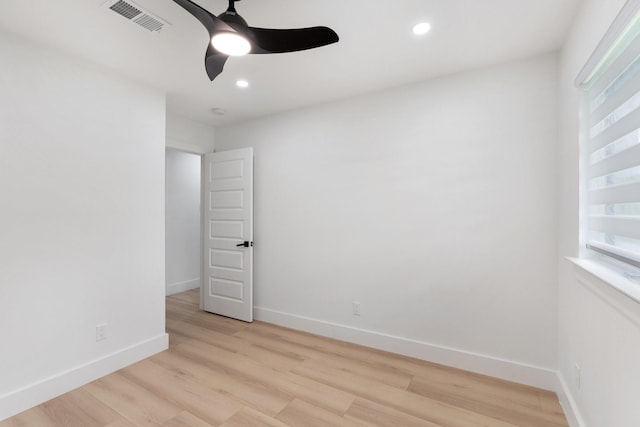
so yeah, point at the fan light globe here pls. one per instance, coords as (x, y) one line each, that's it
(231, 44)
(421, 28)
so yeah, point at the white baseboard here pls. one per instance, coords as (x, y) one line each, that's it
(568, 403)
(34, 394)
(499, 368)
(175, 288)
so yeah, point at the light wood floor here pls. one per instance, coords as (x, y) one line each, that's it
(221, 372)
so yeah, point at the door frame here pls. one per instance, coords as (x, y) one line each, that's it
(200, 154)
(202, 228)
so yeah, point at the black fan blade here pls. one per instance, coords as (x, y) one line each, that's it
(267, 40)
(211, 22)
(214, 62)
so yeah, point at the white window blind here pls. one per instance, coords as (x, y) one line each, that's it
(611, 147)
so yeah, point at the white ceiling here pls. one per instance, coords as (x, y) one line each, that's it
(377, 49)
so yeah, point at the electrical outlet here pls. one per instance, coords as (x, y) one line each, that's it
(578, 377)
(356, 308)
(101, 332)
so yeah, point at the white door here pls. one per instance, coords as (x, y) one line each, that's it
(228, 239)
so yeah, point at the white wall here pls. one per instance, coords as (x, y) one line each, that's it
(189, 136)
(182, 221)
(433, 205)
(81, 223)
(599, 329)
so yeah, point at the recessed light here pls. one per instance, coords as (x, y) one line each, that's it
(421, 28)
(219, 111)
(242, 83)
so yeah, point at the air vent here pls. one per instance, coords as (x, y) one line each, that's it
(137, 15)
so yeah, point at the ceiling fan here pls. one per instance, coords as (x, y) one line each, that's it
(230, 35)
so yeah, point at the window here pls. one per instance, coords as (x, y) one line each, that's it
(610, 121)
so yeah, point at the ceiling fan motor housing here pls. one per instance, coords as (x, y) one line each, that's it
(234, 20)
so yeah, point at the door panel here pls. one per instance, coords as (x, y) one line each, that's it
(228, 265)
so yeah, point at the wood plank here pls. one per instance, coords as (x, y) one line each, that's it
(99, 411)
(401, 400)
(191, 297)
(486, 403)
(475, 384)
(186, 419)
(301, 413)
(66, 414)
(249, 393)
(247, 417)
(203, 320)
(246, 369)
(204, 402)
(385, 374)
(375, 414)
(549, 402)
(318, 393)
(324, 345)
(132, 401)
(242, 366)
(273, 359)
(121, 423)
(33, 417)
(401, 365)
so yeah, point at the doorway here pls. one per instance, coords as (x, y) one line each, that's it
(209, 229)
(183, 250)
